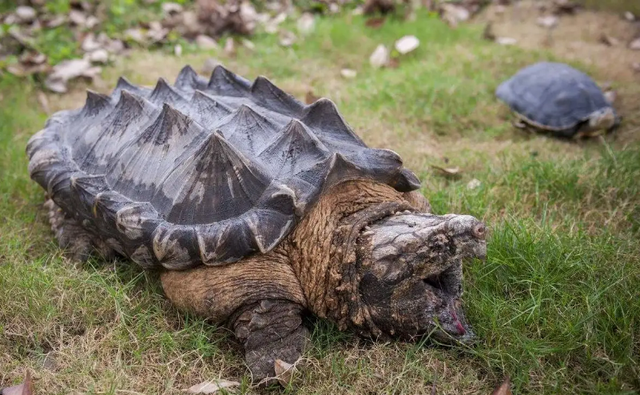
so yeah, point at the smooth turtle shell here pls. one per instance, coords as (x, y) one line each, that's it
(552, 96)
(206, 171)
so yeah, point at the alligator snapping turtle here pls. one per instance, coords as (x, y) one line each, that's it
(556, 98)
(255, 208)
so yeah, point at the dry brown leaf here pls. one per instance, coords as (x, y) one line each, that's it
(629, 16)
(25, 13)
(381, 6)
(506, 40)
(284, 371)
(608, 40)
(271, 26)
(310, 97)
(375, 23)
(548, 21)
(448, 171)
(287, 38)
(248, 44)
(230, 47)
(206, 42)
(26, 388)
(348, 73)
(379, 57)
(306, 23)
(67, 70)
(406, 44)
(636, 67)
(635, 44)
(504, 388)
(211, 387)
(473, 184)
(44, 102)
(171, 8)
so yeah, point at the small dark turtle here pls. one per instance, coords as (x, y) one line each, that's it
(556, 98)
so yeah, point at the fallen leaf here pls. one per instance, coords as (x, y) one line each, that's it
(99, 56)
(90, 43)
(271, 26)
(636, 67)
(56, 21)
(135, 35)
(548, 21)
(26, 388)
(310, 97)
(375, 23)
(306, 23)
(171, 8)
(91, 22)
(506, 40)
(77, 18)
(629, 16)
(230, 47)
(211, 387)
(381, 6)
(67, 70)
(206, 42)
(608, 40)
(473, 184)
(635, 44)
(448, 171)
(287, 38)
(453, 14)
(25, 13)
(348, 73)
(407, 44)
(379, 57)
(248, 44)
(504, 388)
(284, 371)
(44, 102)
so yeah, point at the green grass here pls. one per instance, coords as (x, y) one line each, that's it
(555, 306)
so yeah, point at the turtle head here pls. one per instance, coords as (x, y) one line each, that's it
(410, 266)
(603, 119)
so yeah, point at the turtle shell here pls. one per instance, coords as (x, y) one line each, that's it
(201, 172)
(552, 96)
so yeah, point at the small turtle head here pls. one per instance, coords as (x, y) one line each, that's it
(603, 119)
(410, 267)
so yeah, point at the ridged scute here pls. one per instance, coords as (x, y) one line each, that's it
(201, 172)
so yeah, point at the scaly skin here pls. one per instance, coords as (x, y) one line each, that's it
(342, 263)
(367, 257)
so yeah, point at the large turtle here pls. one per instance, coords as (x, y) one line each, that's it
(255, 208)
(556, 98)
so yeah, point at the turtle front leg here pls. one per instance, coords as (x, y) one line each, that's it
(259, 298)
(270, 330)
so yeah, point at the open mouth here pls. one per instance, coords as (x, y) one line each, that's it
(444, 282)
(446, 286)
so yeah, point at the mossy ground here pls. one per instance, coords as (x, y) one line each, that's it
(555, 306)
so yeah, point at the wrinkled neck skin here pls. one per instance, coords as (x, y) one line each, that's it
(392, 269)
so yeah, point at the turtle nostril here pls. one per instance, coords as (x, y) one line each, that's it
(479, 231)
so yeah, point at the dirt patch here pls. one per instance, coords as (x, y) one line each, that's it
(576, 37)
